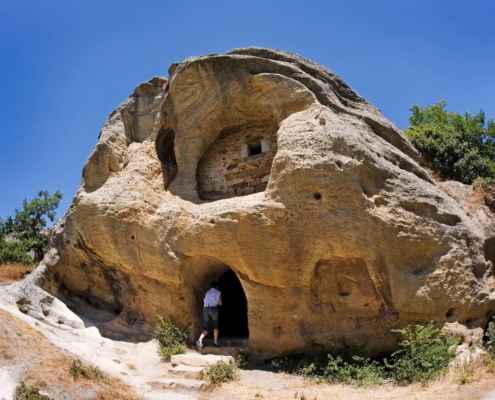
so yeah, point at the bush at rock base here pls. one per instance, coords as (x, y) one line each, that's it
(424, 354)
(171, 339)
(219, 373)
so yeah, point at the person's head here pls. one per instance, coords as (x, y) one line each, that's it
(214, 285)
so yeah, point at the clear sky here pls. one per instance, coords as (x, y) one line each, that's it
(65, 65)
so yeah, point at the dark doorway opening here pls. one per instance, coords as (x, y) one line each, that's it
(233, 313)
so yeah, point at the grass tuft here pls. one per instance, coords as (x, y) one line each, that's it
(23, 392)
(78, 370)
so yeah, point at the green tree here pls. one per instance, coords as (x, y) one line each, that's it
(26, 227)
(459, 147)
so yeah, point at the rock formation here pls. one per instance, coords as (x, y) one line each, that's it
(266, 164)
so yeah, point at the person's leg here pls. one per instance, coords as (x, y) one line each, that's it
(206, 319)
(214, 318)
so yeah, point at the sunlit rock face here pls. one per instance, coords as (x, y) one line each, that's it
(266, 164)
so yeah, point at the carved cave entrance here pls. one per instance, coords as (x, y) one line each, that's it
(233, 318)
(233, 313)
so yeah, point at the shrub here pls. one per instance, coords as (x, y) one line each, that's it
(14, 252)
(345, 365)
(171, 339)
(78, 370)
(483, 183)
(425, 353)
(23, 392)
(219, 373)
(490, 338)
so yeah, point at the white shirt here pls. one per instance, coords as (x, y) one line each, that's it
(212, 297)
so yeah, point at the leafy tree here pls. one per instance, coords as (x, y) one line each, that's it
(459, 147)
(26, 227)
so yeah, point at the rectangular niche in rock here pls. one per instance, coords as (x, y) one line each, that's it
(238, 163)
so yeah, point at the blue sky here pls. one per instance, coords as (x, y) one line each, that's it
(65, 65)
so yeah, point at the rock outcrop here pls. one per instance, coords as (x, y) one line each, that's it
(264, 163)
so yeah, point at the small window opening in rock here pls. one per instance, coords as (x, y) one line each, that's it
(317, 196)
(132, 237)
(254, 148)
(450, 313)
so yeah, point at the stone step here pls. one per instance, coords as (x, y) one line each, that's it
(194, 359)
(227, 342)
(185, 371)
(168, 395)
(178, 383)
(225, 351)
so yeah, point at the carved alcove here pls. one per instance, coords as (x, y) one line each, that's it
(238, 163)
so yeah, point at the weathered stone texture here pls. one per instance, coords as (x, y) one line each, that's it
(351, 236)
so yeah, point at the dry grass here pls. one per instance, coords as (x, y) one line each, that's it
(47, 367)
(14, 272)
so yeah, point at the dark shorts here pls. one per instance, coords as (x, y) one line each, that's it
(210, 314)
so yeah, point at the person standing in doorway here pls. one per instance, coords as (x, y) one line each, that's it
(213, 299)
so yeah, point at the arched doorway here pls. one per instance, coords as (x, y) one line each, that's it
(196, 277)
(233, 313)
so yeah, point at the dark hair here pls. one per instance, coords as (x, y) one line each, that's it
(214, 284)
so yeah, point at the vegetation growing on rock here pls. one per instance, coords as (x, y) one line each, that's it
(171, 339)
(219, 373)
(425, 353)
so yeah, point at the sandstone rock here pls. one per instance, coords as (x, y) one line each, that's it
(186, 371)
(464, 334)
(188, 384)
(349, 235)
(199, 360)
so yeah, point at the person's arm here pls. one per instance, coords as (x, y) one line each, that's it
(220, 300)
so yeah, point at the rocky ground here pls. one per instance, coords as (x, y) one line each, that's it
(40, 354)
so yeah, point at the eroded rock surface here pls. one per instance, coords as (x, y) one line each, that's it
(267, 164)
